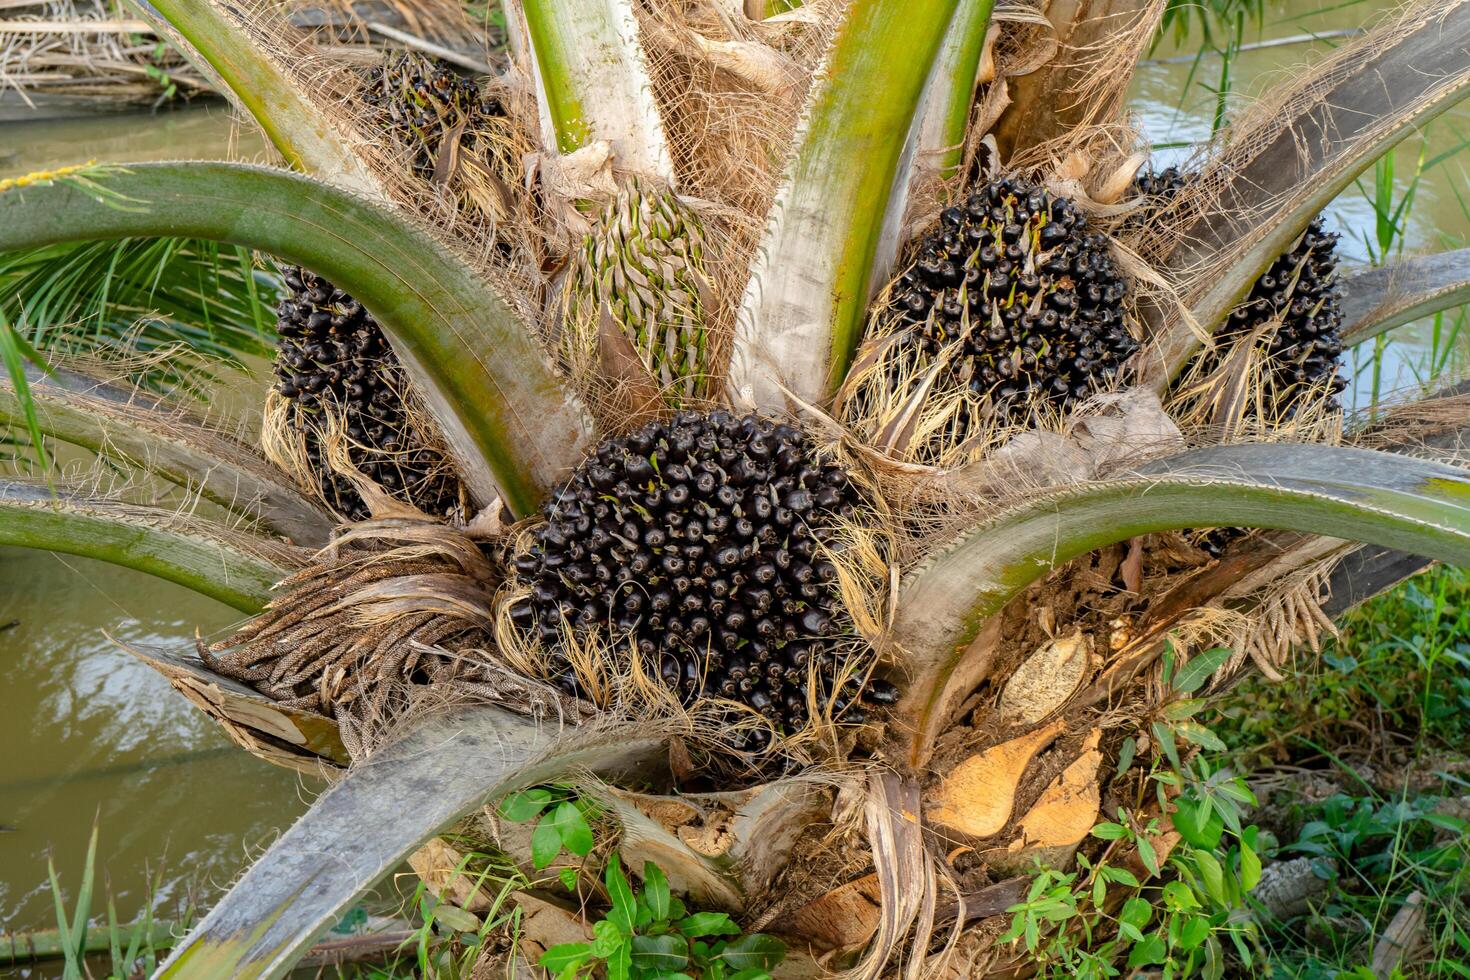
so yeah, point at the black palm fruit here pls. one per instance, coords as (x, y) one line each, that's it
(1301, 289)
(332, 355)
(694, 543)
(419, 101)
(1034, 299)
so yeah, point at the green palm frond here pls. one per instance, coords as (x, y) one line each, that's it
(208, 305)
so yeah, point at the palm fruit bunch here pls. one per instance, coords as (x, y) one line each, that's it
(332, 359)
(694, 544)
(1023, 301)
(1298, 301)
(643, 264)
(420, 100)
(1300, 290)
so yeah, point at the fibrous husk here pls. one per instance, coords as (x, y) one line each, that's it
(394, 606)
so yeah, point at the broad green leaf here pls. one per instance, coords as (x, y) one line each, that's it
(592, 79)
(1276, 177)
(1200, 827)
(1250, 866)
(513, 428)
(1151, 950)
(1126, 753)
(624, 911)
(370, 820)
(708, 924)
(545, 843)
(576, 836)
(1377, 300)
(1358, 494)
(803, 311)
(655, 891)
(1180, 710)
(130, 429)
(1193, 731)
(1211, 874)
(520, 807)
(1193, 675)
(1110, 831)
(1178, 897)
(1164, 739)
(302, 129)
(659, 954)
(566, 956)
(1136, 912)
(754, 952)
(237, 569)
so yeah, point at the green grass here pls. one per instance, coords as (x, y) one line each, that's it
(1364, 748)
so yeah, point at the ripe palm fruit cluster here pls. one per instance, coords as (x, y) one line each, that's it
(332, 359)
(643, 264)
(1021, 298)
(419, 101)
(1300, 291)
(694, 543)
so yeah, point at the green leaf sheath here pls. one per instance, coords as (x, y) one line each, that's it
(1375, 301)
(513, 427)
(223, 567)
(304, 132)
(594, 81)
(136, 430)
(1358, 494)
(1387, 83)
(803, 313)
(370, 821)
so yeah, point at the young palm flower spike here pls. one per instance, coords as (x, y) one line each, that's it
(718, 558)
(642, 264)
(697, 545)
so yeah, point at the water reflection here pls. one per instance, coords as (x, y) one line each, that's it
(90, 732)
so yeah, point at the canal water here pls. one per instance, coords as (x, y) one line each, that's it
(88, 735)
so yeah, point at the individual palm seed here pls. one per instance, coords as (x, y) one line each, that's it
(1297, 300)
(332, 360)
(696, 544)
(643, 265)
(1023, 302)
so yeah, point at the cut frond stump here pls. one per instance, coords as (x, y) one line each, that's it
(1063, 816)
(976, 798)
(1046, 679)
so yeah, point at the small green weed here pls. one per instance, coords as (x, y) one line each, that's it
(649, 934)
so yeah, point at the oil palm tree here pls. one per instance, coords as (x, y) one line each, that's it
(932, 569)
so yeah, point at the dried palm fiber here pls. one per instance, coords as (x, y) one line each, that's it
(337, 378)
(479, 210)
(696, 549)
(642, 265)
(392, 606)
(1011, 309)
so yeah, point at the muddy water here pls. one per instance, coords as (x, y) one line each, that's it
(1176, 108)
(86, 732)
(90, 733)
